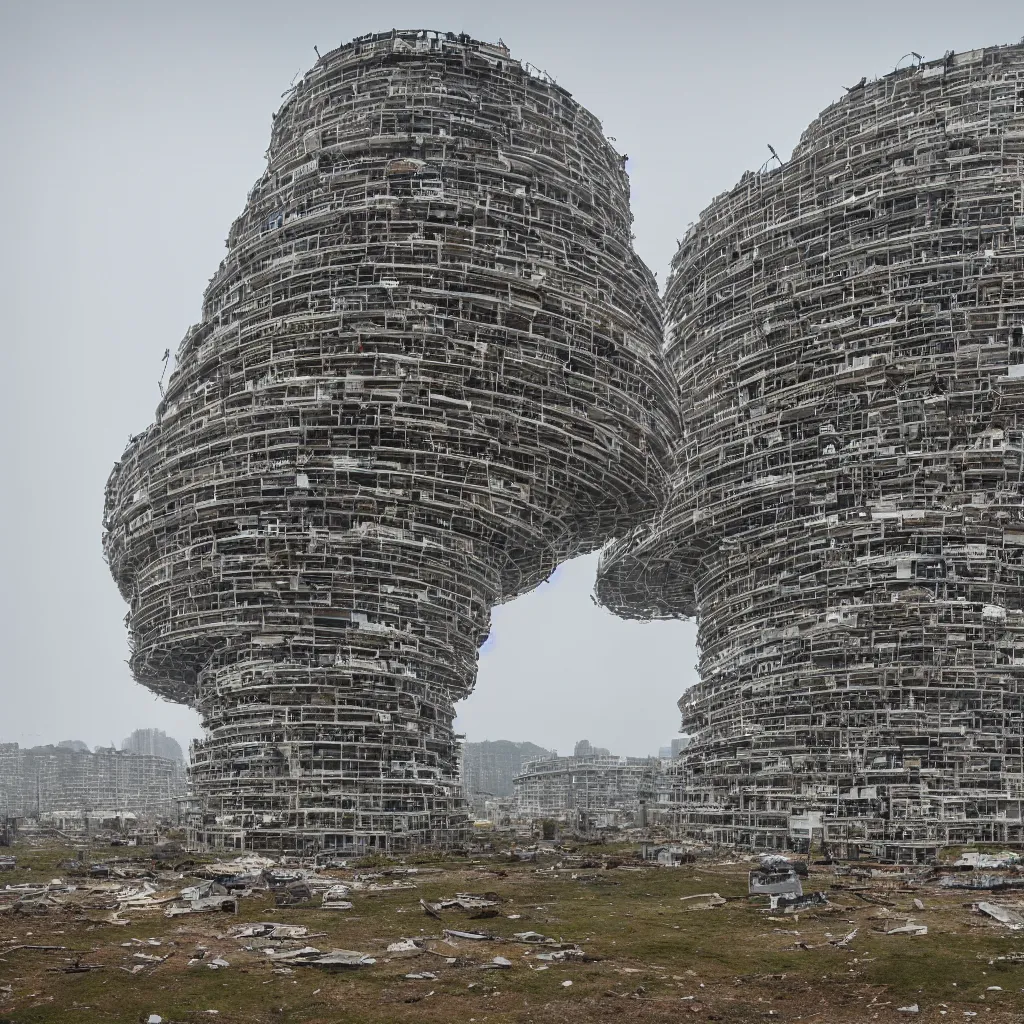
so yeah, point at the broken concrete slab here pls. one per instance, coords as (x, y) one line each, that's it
(405, 947)
(475, 906)
(225, 904)
(310, 956)
(1004, 915)
(703, 901)
(497, 963)
(899, 926)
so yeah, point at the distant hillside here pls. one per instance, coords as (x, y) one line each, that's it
(490, 767)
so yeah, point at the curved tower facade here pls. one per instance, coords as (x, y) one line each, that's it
(847, 519)
(427, 371)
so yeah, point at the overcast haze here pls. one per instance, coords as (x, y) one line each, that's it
(132, 133)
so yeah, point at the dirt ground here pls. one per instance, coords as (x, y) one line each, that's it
(642, 951)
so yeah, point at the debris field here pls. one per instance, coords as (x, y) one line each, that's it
(589, 933)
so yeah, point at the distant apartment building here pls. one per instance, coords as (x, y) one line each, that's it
(59, 780)
(679, 744)
(675, 748)
(489, 767)
(153, 741)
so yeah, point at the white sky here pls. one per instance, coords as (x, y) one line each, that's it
(131, 133)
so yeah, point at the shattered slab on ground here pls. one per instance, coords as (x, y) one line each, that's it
(590, 933)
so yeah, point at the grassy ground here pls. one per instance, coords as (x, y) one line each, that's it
(652, 959)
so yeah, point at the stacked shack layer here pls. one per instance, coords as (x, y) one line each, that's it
(427, 371)
(847, 520)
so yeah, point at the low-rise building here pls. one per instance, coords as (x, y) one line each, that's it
(586, 792)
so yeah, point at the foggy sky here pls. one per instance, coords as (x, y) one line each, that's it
(131, 134)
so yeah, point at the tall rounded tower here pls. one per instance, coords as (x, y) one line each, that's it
(427, 371)
(847, 521)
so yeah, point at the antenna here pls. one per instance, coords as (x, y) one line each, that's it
(913, 53)
(166, 360)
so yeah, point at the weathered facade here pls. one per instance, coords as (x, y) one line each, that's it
(427, 371)
(39, 781)
(847, 520)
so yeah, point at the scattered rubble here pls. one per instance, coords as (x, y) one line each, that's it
(796, 904)
(334, 898)
(309, 956)
(993, 883)
(987, 861)
(475, 906)
(869, 901)
(405, 947)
